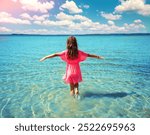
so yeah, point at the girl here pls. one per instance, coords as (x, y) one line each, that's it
(72, 56)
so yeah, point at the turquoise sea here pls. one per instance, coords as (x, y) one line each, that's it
(118, 86)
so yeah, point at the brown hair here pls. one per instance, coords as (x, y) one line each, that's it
(72, 48)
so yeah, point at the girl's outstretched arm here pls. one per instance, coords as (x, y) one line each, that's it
(49, 56)
(95, 56)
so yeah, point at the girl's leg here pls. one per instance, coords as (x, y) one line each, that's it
(76, 87)
(72, 89)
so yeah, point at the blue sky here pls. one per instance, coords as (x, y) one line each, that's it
(74, 16)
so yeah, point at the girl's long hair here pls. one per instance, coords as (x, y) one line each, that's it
(72, 48)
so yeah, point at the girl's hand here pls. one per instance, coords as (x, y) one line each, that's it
(42, 59)
(100, 57)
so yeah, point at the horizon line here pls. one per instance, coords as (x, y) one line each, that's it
(22, 34)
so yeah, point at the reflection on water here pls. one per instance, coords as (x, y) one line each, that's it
(115, 87)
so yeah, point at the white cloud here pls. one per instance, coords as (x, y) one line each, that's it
(134, 27)
(7, 18)
(81, 18)
(71, 6)
(86, 6)
(110, 16)
(65, 24)
(36, 5)
(37, 22)
(41, 31)
(35, 31)
(35, 17)
(63, 16)
(81, 24)
(26, 16)
(40, 18)
(145, 11)
(4, 29)
(134, 5)
(137, 21)
(111, 22)
(112, 28)
(95, 27)
(60, 23)
(84, 27)
(68, 21)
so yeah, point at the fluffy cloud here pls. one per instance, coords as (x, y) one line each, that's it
(26, 16)
(110, 16)
(111, 22)
(134, 27)
(7, 18)
(82, 24)
(35, 17)
(4, 29)
(41, 31)
(35, 5)
(34, 31)
(112, 28)
(95, 27)
(134, 5)
(137, 21)
(40, 18)
(71, 7)
(68, 21)
(84, 27)
(86, 6)
(63, 16)
(61, 23)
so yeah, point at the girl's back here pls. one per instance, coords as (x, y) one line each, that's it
(73, 72)
(81, 57)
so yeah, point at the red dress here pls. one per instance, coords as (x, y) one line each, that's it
(73, 72)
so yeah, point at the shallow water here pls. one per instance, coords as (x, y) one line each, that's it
(118, 86)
